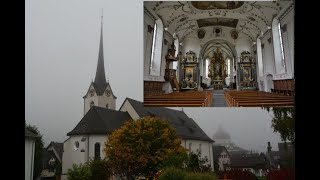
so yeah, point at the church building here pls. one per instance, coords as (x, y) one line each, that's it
(218, 53)
(87, 138)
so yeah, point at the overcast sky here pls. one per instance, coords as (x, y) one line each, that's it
(61, 53)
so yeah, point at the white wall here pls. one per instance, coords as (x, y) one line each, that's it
(97, 139)
(104, 100)
(288, 43)
(71, 156)
(268, 59)
(126, 107)
(191, 43)
(29, 158)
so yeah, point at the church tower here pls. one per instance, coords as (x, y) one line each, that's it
(100, 93)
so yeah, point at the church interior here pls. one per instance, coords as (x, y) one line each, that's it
(219, 53)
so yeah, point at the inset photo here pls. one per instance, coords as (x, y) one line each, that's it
(218, 53)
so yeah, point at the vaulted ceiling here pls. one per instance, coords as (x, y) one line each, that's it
(239, 18)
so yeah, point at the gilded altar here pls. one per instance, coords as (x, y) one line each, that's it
(217, 69)
(189, 68)
(247, 72)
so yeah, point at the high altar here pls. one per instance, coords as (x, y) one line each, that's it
(217, 69)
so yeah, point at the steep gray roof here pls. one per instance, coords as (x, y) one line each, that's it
(248, 161)
(185, 127)
(100, 83)
(58, 147)
(28, 133)
(100, 121)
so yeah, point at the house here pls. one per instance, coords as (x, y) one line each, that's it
(221, 158)
(29, 148)
(253, 162)
(52, 161)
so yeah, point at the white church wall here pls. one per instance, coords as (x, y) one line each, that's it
(89, 99)
(191, 43)
(71, 155)
(126, 107)
(268, 61)
(29, 144)
(243, 44)
(104, 100)
(288, 43)
(93, 139)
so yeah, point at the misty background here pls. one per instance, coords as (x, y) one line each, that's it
(61, 53)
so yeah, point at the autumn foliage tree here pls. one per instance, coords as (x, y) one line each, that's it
(142, 147)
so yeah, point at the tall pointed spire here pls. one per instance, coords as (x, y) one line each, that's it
(100, 79)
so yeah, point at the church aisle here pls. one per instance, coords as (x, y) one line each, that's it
(218, 99)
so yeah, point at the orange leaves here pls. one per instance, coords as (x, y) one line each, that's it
(142, 145)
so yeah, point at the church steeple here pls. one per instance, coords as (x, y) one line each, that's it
(100, 79)
(100, 93)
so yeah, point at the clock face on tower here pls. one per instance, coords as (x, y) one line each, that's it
(108, 92)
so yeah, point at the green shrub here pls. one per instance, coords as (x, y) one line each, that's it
(93, 170)
(79, 172)
(172, 174)
(200, 176)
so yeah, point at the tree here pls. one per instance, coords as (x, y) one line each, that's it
(142, 147)
(38, 150)
(198, 164)
(283, 122)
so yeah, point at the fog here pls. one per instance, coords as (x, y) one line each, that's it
(61, 53)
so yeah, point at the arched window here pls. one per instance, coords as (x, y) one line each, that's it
(91, 104)
(207, 67)
(260, 60)
(190, 146)
(155, 62)
(280, 64)
(107, 106)
(281, 45)
(97, 150)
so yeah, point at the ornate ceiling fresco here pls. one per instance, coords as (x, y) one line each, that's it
(207, 5)
(217, 22)
(246, 18)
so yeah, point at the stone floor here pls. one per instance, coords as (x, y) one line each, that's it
(218, 99)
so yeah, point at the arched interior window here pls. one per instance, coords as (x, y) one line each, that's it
(91, 104)
(155, 62)
(260, 60)
(281, 45)
(280, 64)
(207, 67)
(97, 150)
